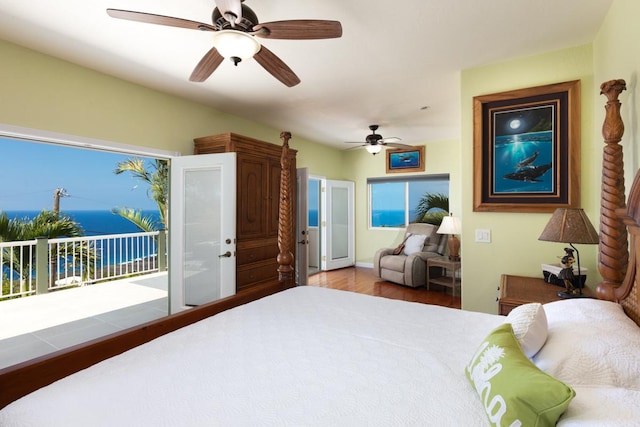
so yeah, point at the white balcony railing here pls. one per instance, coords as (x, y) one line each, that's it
(43, 265)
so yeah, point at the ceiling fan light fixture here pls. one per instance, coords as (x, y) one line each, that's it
(373, 149)
(235, 44)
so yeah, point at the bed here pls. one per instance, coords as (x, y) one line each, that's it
(317, 356)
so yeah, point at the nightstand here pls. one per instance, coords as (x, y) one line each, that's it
(518, 290)
(450, 276)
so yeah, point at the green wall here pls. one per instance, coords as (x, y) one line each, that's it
(45, 93)
(514, 247)
(617, 54)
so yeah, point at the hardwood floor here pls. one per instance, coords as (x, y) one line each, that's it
(362, 280)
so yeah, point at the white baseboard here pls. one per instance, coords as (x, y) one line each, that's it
(364, 264)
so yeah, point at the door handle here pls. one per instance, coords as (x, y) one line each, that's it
(225, 255)
(304, 242)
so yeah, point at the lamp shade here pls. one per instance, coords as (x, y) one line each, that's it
(569, 225)
(450, 225)
(373, 149)
(233, 43)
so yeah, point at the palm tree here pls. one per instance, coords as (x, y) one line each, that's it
(432, 208)
(48, 224)
(157, 176)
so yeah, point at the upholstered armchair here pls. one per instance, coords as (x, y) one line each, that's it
(409, 267)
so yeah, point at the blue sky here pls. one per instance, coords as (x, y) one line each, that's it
(30, 172)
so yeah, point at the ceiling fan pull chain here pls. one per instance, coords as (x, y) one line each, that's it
(231, 17)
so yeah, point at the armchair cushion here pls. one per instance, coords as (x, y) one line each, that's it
(414, 244)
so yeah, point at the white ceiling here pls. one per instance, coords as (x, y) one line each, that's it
(393, 57)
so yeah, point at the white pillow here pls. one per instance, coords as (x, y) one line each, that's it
(529, 324)
(592, 343)
(414, 244)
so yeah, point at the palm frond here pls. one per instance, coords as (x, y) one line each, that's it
(157, 176)
(431, 208)
(144, 223)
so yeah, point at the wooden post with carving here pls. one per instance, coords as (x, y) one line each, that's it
(613, 251)
(285, 222)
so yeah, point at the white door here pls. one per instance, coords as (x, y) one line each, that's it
(338, 231)
(302, 228)
(202, 224)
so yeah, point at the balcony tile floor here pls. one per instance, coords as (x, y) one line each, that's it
(34, 326)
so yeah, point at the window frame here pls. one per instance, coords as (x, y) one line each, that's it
(406, 179)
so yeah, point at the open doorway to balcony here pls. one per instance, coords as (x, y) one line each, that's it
(109, 276)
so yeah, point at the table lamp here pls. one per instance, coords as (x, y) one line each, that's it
(451, 225)
(570, 225)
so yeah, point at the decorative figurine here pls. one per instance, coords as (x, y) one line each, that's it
(566, 274)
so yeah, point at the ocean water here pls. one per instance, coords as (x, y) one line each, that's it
(380, 218)
(388, 218)
(96, 223)
(313, 217)
(512, 149)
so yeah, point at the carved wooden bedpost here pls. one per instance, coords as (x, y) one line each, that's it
(285, 257)
(613, 251)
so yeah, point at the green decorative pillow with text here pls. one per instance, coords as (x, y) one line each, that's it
(513, 391)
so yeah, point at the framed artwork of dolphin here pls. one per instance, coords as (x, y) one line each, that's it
(527, 149)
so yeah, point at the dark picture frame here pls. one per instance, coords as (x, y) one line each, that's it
(405, 160)
(526, 149)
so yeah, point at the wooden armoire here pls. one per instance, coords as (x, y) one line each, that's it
(258, 196)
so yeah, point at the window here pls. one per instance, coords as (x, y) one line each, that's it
(395, 202)
(313, 200)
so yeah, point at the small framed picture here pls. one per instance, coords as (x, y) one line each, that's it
(405, 160)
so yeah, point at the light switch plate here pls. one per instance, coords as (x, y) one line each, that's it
(483, 235)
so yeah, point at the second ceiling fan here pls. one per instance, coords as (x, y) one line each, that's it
(236, 27)
(374, 142)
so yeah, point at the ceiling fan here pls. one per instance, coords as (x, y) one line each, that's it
(375, 142)
(235, 27)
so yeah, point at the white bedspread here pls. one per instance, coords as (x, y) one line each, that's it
(306, 356)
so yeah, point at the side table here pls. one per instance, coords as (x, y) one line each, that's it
(518, 290)
(450, 276)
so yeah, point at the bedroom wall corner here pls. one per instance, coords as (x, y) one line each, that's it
(514, 247)
(320, 159)
(617, 56)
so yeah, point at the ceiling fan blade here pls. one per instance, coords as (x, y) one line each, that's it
(274, 65)
(233, 7)
(393, 144)
(390, 139)
(299, 29)
(207, 65)
(150, 18)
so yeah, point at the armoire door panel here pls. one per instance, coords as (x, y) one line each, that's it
(251, 197)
